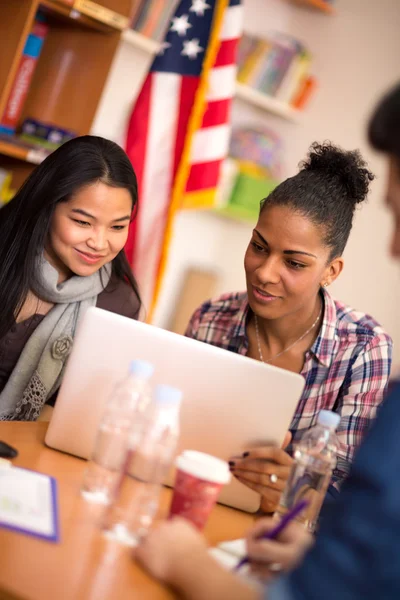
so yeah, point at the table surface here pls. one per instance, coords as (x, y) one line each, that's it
(83, 565)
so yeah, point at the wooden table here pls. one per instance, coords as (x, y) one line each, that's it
(84, 565)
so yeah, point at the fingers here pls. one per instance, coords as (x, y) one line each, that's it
(270, 551)
(287, 550)
(262, 527)
(270, 497)
(263, 479)
(261, 467)
(287, 440)
(272, 453)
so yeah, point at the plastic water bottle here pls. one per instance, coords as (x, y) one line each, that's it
(314, 461)
(130, 397)
(151, 451)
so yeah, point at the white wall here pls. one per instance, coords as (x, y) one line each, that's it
(356, 59)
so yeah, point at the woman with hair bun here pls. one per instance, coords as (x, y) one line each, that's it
(288, 318)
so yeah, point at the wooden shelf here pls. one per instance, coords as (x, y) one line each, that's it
(130, 36)
(320, 5)
(267, 103)
(70, 14)
(21, 152)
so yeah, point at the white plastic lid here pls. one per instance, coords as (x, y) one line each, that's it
(327, 418)
(141, 368)
(167, 395)
(204, 466)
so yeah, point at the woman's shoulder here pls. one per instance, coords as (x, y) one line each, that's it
(227, 305)
(353, 322)
(217, 314)
(118, 297)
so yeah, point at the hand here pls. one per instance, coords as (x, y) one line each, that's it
(256, 467)
(176, 554)
(166, 549)
(287, 550)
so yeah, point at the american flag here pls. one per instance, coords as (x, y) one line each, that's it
(178, 133)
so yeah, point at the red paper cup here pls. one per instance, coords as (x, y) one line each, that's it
(199, 479)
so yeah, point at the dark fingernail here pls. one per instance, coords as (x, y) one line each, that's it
(231, 463)
(245, 454)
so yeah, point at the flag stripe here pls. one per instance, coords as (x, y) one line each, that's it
(217, 113)
(222, 83)
(137, 132)
(210, 143)
(189, 87)
(227, 53)
(203, 176)
(158, 175)
(233, 23)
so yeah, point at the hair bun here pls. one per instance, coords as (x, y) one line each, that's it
(347, 167)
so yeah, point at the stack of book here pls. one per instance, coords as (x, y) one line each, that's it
(278, 66)
(26, 68)
(152, 17)
(6, 193)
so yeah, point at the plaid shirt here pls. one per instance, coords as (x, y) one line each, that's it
(346, 370)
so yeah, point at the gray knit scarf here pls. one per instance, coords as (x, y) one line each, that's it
(39, 370)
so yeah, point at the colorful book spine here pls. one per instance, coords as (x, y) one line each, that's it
(251, 68)
(23, 78)
(304, 93)
(297, 71)
(6, 193)
(153, 18)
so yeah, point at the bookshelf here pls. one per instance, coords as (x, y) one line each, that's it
(136, 39)
(70, 73)
(267, 103)
(320, 5)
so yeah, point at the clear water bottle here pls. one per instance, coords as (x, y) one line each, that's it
(130, 396)
(314, 461)
(151, 451)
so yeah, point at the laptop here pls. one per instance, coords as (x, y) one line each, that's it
(230, 402)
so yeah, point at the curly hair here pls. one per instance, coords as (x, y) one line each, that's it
(328, 187)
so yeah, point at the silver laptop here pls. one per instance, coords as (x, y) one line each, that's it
(230, 402)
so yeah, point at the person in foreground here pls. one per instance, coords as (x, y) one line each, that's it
(356, 555)
(61, 251)
(287, 317)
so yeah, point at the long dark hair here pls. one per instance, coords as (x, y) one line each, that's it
(330, 184)
(25, 221)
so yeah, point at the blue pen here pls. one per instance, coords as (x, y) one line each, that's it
(290, 515)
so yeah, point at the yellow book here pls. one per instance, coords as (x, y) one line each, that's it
(101, 13)
(254, 61)
(298, 69)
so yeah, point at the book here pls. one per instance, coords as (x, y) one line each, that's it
(304, 92)
(29, 502)
(23, 78)
(46, 135)
(251, 68)
(297, 70)
(154, 17)
(101, 13)
(5, 186)
(278, 66)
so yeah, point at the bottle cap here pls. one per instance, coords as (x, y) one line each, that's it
(141, 368)
(327, 418)
(167, 395)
